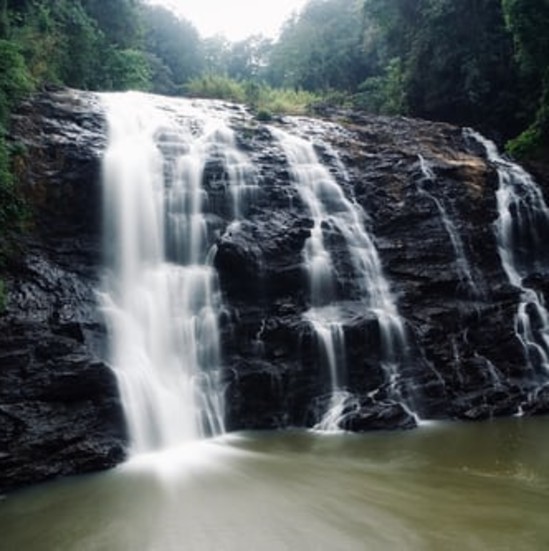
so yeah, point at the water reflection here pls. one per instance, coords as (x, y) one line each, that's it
(443, 487)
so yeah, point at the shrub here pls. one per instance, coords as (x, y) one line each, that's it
(127, 70)
(287, 101)
(15, 79)
(265, 100)
(13, 210)
(217, 87)
(527, 144)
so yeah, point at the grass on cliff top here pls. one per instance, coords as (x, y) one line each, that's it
(263, 99)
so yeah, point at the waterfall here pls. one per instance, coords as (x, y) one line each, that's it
(160, 292)
(522, 229)
(462, 263)
(332, 212)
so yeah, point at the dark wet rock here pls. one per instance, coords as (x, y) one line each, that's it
(62, 136)
(59, 403)
(463, 348)
(60, 412)
(59, 407)
(370, 415)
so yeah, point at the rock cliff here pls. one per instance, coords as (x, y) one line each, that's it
(59, 407)
(428, 193)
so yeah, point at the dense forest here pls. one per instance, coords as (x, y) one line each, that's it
(483, 63)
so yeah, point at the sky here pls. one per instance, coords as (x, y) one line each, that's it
(235, 19)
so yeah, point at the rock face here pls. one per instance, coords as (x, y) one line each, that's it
(419, 184)
(59, 407)
(465, 360)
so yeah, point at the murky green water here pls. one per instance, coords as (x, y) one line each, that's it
(440, 488)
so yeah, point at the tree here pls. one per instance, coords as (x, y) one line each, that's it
(456, 58)
(15, 80)
(321, 48)
(81, 45)
(175, 42)
(248, 58)
(127, 70)
(216, 53)
(118, 20)
(528, 21)
(4, 19)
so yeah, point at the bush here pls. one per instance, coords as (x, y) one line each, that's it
(265, 100)
(527, 144)
(264, 116)
(12, 208)
(534, 141)
(15, 80)
(38, 40)
(285, 101)
(217, 87)
(127, 70)
(383, 94)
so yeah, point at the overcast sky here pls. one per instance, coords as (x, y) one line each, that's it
(236, 19)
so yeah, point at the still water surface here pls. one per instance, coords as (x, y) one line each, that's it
(441, 488)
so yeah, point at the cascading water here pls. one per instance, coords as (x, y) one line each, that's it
(160, 293)
(332, 211)
(522, 230)
(462, 264)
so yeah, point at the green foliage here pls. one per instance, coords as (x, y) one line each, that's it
(75, 42)
(79, 46)
(127, 70)
(15, 80)
(262, 98)
(384, 94)
(215, 86)
(534, 141)
(215, 54)
(455, 61)
(4, 19)
(264, 116)
(526, 144)
(321, 49)
(118, 21)
(252, 93)
(13, 211)
(36, 34)
(528, 21)
(247, 59)
(176, 47)
(287, 101)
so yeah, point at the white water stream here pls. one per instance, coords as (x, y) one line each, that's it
(462, 263)
(523, 220)
(332, 212)
(160, 292)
